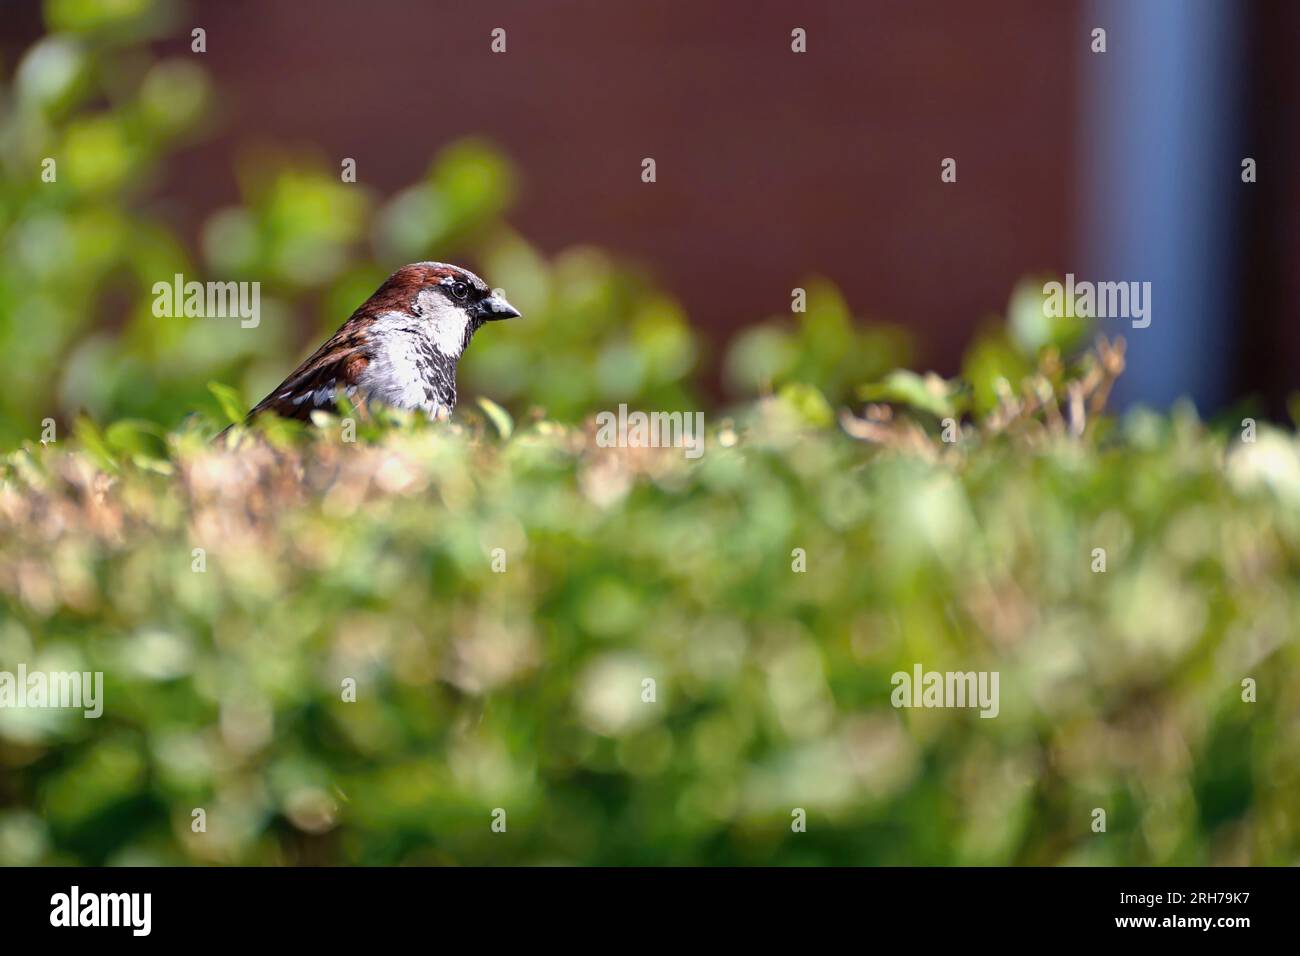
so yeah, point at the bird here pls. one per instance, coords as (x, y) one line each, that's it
(399, 348)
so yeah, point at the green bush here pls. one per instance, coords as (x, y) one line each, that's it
(522, 689)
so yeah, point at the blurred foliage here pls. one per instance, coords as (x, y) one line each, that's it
(81, 254)
(822, 345)
(523, 689)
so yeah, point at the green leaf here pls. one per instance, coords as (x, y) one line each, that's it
(928, 393)
(809, 403)
(136, 437)
(345, 406)
(90, 438)
(86, 16)
(758, 357)
(474, 179)
(1032, 328)
(500, 418)
(232, 405)
(990, 360)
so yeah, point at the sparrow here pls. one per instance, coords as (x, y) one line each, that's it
(399, 348)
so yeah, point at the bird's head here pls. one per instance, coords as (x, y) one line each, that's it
(448, 302)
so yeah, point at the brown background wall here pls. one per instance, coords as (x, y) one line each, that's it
(771, 166)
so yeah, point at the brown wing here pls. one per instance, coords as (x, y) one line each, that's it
(338, 364)
(333, 368)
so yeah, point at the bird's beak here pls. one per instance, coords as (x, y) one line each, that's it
(496, 307)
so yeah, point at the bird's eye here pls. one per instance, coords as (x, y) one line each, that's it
(459, 290)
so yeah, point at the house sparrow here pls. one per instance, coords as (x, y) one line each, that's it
(399, 348)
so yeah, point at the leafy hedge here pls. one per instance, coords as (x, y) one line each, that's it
(523, 689)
